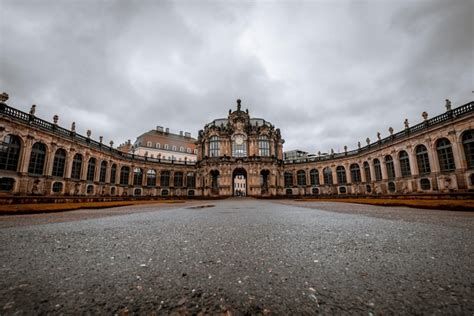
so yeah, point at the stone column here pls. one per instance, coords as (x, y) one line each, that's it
(68, 167)
(85, 166)
(413, 162)
(372, 171)
(458, 152)
(48, 167)
(348, 174)
(98, 163)
(25, 155)
(396, 166)
(383, 166)
(433, 157)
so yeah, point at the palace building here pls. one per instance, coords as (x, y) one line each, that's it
(236, 155)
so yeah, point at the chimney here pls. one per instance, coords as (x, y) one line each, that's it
(181, 133)
(159, 128)
(167, 130)
(187, 134)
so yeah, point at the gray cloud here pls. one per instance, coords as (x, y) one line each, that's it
(327, 73)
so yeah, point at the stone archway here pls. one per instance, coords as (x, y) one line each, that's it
(239, 182)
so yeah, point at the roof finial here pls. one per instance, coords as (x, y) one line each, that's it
(238, 104)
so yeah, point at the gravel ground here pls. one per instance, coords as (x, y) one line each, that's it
(239, 256)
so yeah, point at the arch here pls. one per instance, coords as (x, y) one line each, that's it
(425, 184)
(113, 174)
(6, 184)
(214, 181)
(467, 139)
(404, 163)
(37, 159)
(90, 189)
(157, 145)
(263, 146)
(368, 177)
(422, 159)
(390, 167)
(151, 178)
(91, 169)
(444, 150)
(314, 177)
(327, 175)
(239, 182)
(103, 171)
(59, 163)
(124, 175)
(378, 170)
(214, 145)
(137, 176)
(341, 175)
(264, 179)
(191, 180)
(391, 187)
(178, 179)
(10, 152)
(76, 167)
(301, 178)
(57, 187)
(355, 173)
(165, 179)
(288, 177)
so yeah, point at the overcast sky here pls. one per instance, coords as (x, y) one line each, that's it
(327, 73)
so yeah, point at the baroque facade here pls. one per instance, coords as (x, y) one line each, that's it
(237, 155)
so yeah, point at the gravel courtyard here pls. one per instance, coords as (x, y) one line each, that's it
(239, 256)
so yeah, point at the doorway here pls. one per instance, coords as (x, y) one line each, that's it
(239, 182)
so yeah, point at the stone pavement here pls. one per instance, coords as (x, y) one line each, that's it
(238, 256)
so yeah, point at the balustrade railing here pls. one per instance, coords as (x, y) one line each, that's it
(447, 116)
(61, 131)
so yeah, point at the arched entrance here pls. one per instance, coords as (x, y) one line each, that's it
(239, 182)
(264, 179)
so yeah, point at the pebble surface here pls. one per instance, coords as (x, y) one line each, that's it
(239, 256)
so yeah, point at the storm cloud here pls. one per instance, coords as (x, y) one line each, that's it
(327, 73)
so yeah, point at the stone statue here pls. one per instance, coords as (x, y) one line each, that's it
(407, 125)
(33, 109)
(55, 119)
(238, 104)
(111, 143)
(424, 115)
(367, 141)
(359, 145)
(88, 133)
(345, 148)
(4, 97)
(101, 138)
(448, 105)
(390, 130)
(379, 136)
(73, 127)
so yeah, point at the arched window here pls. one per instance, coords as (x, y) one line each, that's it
(301, 177)
(178, 179)
(378, 170)
(191, 180)
(355, 173)
(263, 146)
(404, 164)
(189, 150)
(215, 181)
(422, 159)
(239, 146)
(327, 175)
(165, 179)
(314, 177)
(390, 167)
(57, 187)
(76, 167)
(341, 175)
(158, 145)
(174, 147)
(445, 155)
(181, 149)
(151, 178)
(137, 176)
(468, 144)
(113, 174)
(59, 163)
(214, 146)
(103, 171)
(91, 169)
(37, 159)
(149, 144)
(368, 178)
(124, 175)
(167, 146)
(10, 153)
(288, 177)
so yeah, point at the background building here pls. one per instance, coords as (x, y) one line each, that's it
(162, 144)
